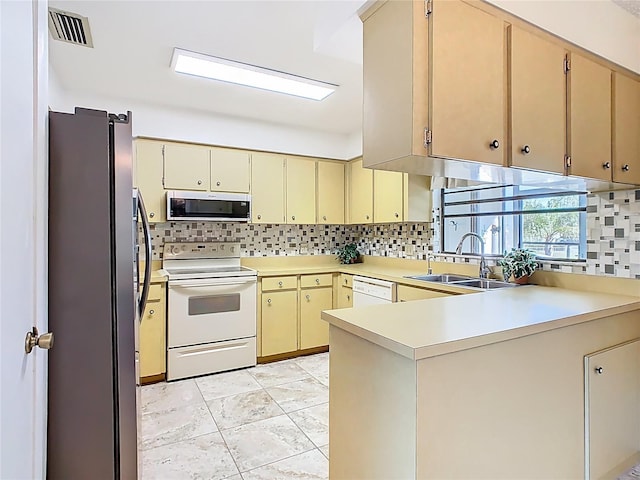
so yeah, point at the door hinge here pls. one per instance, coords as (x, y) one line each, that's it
(427, 137)
(567, 161)
(163, 163)
(567, 65)
(428, 7)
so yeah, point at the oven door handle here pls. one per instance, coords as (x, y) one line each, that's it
(221, 284)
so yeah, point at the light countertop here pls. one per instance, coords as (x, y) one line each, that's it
(427, 328)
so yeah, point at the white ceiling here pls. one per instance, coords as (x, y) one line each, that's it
(134, 40)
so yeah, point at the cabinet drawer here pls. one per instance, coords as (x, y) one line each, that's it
(346, 280)
(279, 283)
(321, 280)
(156, 292)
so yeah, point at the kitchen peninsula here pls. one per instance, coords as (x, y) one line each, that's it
(493, 385)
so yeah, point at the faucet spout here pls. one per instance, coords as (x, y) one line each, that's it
(484, 270)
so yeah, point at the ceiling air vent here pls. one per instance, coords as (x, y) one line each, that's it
(70, 27)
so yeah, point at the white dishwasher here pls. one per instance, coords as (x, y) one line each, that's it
(371, 291)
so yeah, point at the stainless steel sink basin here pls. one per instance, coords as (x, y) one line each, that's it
(483, 283)
(441, 278)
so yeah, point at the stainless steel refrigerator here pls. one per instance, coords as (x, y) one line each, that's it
(95, 297)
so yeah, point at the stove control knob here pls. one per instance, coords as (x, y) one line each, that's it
(175, 249)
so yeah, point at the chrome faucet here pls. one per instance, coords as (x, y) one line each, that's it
(430, 257)
(484, 270)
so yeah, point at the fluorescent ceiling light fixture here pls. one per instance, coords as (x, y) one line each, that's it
(224, 70)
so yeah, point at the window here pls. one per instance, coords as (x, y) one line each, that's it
(551, 223)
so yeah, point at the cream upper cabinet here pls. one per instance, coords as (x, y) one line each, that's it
(538, 102)
(229, 170)
(149, 176)
(626, 129)
(267, 188)
(361, 193)
(330, 193)
(388, 196)
(301, 191)
(186, 167)
(467, 59)
(589, 118)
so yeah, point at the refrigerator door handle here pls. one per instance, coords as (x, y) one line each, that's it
(147, 256)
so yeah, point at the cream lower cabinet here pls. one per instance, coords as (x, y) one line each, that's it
(407, 293)
(153, 346)
(279, 322)
(316, 294)
(612, 407)
(345, 297)
(149, 176)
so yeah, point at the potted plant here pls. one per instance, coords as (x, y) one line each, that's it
(519, 263)
(349, 253)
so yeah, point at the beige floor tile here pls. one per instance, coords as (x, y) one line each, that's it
(204, 457)
(175, 425)
(310, 465)
(277, 373)
(243, 408)
(317, 365)
(225, 384)
(314, 422)
(164, 396)
(265, 441)
(301, 394)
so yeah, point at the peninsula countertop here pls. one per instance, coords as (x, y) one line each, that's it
(427, 328)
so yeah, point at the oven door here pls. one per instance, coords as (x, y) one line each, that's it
(211, 310)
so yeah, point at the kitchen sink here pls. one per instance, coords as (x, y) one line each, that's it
(483, 283)
(441, 278)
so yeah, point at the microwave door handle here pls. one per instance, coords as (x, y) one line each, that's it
(146, 228)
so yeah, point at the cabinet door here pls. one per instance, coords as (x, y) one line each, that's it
(590, 119)
(279, 322)
(407, 293)
(153, 347)
(612, 407)
(468, 88)
(538, 103)
(387, 196)
(330, 193)
(314, 332)
(267, 188)
(186, 167)
(626, 129)
(229, 170)
(301, 191)
(149, 174)
(345, 300)
(361, 198)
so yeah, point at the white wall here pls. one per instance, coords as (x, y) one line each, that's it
(600, 26)
(152, 120)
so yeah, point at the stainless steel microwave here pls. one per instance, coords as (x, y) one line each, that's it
(208, 206)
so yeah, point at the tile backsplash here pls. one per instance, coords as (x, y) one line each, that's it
(613, 238)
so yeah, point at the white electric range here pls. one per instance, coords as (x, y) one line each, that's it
(211, 319)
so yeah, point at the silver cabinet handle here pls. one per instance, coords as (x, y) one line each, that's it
(269, 301)
(259, 217)
(599, 370)
(367, 217)
(346, 281)
(625, 167)
(526, 150)
(151, 215)
(308, 297)
(152, 311)
(348, 297)
(606, 165)
(279, 284)
(494, 144)
(199, 182)
(218, 184)
(397, 215)
(293, 217)
(324, 217)
(317, 281)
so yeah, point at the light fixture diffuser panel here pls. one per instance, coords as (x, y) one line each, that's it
(223, 70)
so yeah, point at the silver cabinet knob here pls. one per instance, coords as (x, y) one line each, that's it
(625, 167)
(348, 297)
(526, 149)
(606, 165)
(44, 341)
(259, 217)
(397, 215)
(293, 217)
(269, 301)
(279, 284)
(599, 370)
(367, 217)
(494, 144)
(317, 281)
(324, 217)
(308, 297)
(218, 184)
(151, 215)
(346, 281)
(151, 312)
(199, 182)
